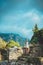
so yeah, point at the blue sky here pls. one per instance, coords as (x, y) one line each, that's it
(20, 16)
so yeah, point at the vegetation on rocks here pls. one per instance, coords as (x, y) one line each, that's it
(12, 44)
(2, 44)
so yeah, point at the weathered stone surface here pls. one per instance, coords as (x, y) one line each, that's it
(15, 54)
(36, 51)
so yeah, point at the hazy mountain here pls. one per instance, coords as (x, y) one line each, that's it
(11, 36)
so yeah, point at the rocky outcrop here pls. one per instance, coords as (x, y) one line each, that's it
(13, 55)
(36, 51)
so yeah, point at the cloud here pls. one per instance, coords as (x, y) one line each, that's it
(32, 16)
(36, 18)
(26, 32)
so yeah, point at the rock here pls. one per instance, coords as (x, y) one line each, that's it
(15, 54)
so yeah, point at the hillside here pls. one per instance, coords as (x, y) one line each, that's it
(11, 36)
(38, 37)
(2, 43)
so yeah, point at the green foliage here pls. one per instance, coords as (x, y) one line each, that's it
(35, 40)
(2, 44)
(12, 44)
(37, 35)
(35, 28)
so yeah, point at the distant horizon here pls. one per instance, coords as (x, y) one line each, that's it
(15, 34)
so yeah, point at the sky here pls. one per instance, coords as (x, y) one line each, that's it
(20, 16)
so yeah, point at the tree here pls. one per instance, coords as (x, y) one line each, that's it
(37, 35)
(35, 28)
